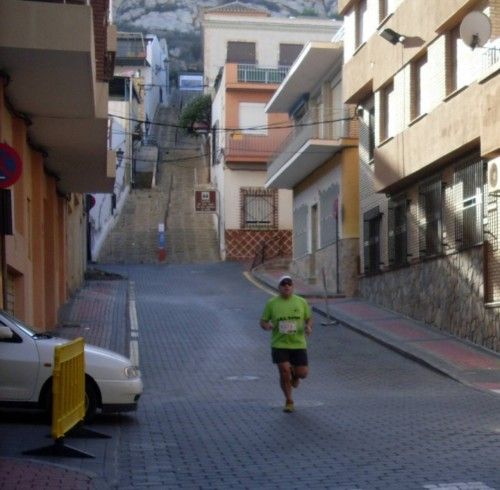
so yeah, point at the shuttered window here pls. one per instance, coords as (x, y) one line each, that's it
(252, 118)
(289, 53)
(241, 52)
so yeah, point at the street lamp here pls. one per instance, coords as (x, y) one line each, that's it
(392, 36)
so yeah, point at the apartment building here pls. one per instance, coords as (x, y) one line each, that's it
(53, 116)
(427, 96)
(247, 54)
(318, 161)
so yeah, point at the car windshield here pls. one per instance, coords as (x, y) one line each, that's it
(16, 322)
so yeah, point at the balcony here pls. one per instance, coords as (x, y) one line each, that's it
(314, 140)
(244, 76)
(258, 74)
(254, 148)
(52, 80)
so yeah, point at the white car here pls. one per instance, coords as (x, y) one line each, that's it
(112, 383)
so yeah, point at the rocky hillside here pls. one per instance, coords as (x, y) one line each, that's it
(179, 22)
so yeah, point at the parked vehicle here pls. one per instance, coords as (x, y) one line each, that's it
(112, 383)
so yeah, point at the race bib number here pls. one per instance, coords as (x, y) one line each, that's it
(287, 327)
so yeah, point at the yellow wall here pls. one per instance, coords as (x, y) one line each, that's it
(350, 190)
(39, 265)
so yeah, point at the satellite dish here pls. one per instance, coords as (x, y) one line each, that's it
(475, 29)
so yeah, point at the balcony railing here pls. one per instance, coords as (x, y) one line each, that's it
(259, 74)
(254, 147)
(334, 125)
(490, 57)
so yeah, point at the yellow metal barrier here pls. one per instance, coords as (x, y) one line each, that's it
(68, 387)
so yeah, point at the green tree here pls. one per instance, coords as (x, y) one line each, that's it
(197, 113)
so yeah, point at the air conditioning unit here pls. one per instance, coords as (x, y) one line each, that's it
(494, 176)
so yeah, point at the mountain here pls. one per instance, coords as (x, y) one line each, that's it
(179, 22)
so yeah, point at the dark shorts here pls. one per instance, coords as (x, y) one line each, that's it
(296, 357)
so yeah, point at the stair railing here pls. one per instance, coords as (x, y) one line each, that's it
(262, 250)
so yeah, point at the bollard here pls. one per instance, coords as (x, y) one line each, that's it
(162, 253)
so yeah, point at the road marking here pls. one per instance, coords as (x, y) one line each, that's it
(471, 485)
(134, 325)
(258, 284)
(134, 352)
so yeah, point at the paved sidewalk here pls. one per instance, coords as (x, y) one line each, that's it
(459, 359)
(98, 314)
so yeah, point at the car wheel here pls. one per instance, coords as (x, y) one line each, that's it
(91, 400)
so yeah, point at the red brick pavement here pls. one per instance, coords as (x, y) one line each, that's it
(21, 474)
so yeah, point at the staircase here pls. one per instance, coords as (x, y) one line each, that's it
(190, 236)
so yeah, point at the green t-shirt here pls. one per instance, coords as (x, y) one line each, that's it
(288, 317)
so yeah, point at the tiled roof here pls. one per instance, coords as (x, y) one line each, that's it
(237, 8)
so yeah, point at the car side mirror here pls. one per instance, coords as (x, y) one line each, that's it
(6, 333)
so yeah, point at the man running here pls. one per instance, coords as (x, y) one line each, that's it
(289, 318)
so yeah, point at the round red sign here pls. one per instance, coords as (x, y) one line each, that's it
(11, 166)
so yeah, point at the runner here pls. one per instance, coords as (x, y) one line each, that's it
(289, 318)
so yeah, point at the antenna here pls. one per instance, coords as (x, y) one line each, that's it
(475, 29)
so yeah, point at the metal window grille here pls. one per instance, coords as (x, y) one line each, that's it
(492, 247)
(327, 226)
(397, 225)
(259, 208)
(371, 240)
(430, 217)
(300, 231)
(468, 183)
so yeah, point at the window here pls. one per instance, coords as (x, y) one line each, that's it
(430, 218)
(386, 7)
(328, 211)
(361, 18)
(259, 208)
(367, 127)
(463, 64)
(452, 40)
(468, 182)
(419, 74)
(371, 132)
(397, 224)
(289, 53)
(300, 216)
(240, 52)
(387, 100)
(371, 240)
(253, 118)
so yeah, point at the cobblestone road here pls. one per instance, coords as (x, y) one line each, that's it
(210, 417)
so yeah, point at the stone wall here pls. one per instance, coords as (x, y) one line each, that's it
(447, 292)
(326, 259)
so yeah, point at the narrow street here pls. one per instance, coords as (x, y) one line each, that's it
(211, 417)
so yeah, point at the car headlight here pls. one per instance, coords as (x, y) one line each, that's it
(132, 372)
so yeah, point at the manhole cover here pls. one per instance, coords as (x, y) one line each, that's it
(244, 377)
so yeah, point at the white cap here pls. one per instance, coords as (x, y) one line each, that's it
(286, 276)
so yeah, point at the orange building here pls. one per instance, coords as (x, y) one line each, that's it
(53, 114)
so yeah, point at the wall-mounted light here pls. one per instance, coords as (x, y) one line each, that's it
(119, 157)
(392, 36)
